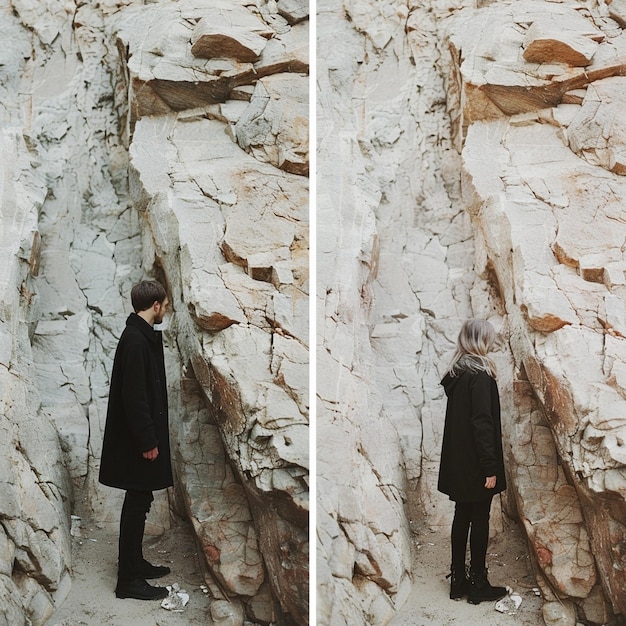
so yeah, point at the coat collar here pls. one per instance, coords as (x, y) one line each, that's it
(144, 327)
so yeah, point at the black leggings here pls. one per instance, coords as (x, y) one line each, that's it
(132, 524)
(476, 515)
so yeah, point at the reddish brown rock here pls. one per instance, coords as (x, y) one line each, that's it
(232, 32)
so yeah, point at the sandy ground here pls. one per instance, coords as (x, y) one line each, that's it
(508, 562)
(92, 600)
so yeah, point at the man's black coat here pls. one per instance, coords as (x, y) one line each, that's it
(137, 417)
(472, 438)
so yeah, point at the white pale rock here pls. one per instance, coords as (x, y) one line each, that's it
(497, 81)
(378, 20)
(559, 614)
(230, 235)
(545, 307)
(598, 132)
(165, 73)
(216, 504)
(225, 613)
(46, 19)
(274, 128)
(79, 227)
(212, 307)
(293, 10)
(613, 315)
(291, 444)
(566, 369)
(543, 254)
(617, 10)
(35, 486)
(287, 53)
(232, 110)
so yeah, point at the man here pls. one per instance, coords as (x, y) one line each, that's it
(136, 449)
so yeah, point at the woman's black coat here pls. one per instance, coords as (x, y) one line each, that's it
(137, 417)
(472, 438)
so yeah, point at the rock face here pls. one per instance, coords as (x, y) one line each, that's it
(133, 146)
(35, 549)
(474, 167)
(393, 247)
(551, 226)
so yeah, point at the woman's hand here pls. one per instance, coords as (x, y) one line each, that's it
(490, 482)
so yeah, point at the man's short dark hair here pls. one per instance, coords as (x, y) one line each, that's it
(144, 294)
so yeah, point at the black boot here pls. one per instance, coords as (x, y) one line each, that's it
(481, 591)
(139, 590)
(459, 583)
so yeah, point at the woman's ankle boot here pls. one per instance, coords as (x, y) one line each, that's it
(480, 589)
(459, 584)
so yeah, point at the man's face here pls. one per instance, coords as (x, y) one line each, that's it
(160, 308)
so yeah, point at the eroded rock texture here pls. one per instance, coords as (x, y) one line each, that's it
(519, 102)
(152, 140)
(34, 489)
(394, 245)
(543, 183)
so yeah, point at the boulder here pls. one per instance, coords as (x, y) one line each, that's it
(598, 132)
(230, 31)
(566, 38)
(274, 127)
(617, 10)
(293, 11)
(287, 53)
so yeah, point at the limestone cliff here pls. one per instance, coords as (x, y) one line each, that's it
(473, 153)
(163, 139)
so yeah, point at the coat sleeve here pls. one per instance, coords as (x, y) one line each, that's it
(136, 399)
(482, 421)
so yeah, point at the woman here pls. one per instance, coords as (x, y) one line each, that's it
(472, 466)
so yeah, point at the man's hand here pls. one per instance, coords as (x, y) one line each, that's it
(154, 453)
(490, 482)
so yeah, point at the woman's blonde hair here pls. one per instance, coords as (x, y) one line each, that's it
(474, 343)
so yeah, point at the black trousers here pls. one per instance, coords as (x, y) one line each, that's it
(474, 515)
(132, 526)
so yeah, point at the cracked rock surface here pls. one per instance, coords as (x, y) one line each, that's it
(544, 190)
(35, 551)
(228, 230)
(473, 159)
(120, 156)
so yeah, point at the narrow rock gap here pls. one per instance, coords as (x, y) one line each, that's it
(405, 363)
